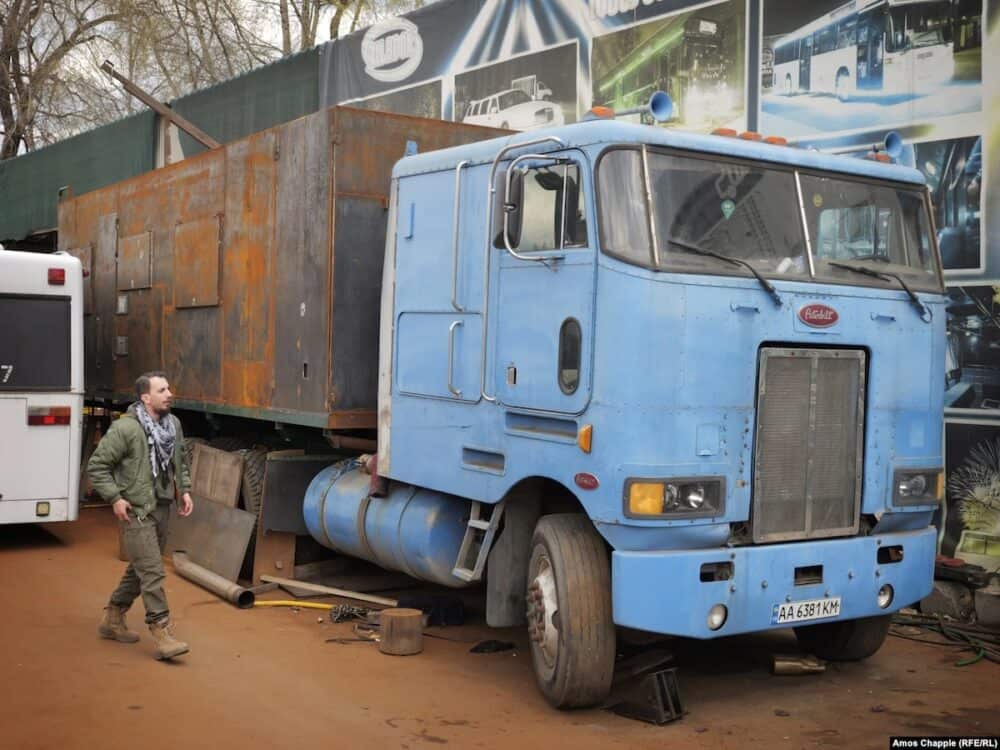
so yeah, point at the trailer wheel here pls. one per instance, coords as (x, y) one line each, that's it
(848, 640)
(569, 611)
(252, 486)
(227, 443)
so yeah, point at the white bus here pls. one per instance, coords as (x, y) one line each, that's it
(41, 386)
(893, 46)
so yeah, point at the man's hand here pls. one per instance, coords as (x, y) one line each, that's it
(120, 507)
(187, 505)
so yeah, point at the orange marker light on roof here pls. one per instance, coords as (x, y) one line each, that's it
(603, 113)
(776, 140)
(727, 132)
(749, 135)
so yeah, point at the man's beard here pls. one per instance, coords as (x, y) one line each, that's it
(161, 413)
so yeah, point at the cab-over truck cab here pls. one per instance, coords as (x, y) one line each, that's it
(700, 379)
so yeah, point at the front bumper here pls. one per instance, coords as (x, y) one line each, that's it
(662, 592)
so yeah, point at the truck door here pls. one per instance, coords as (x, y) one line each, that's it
(546, 280)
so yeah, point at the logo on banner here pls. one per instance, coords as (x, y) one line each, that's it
(818, 316)
(606, 8)
(392, 50)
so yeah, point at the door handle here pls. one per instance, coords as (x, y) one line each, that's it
(451, 359)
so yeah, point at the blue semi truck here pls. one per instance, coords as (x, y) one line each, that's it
(621, 376)
(697, 380)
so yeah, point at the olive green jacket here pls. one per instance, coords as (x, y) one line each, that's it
(120, 466)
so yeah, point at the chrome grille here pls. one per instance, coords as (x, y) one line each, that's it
(808, 455)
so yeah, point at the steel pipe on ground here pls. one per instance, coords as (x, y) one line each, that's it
(231, 592)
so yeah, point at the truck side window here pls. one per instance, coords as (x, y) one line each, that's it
(549, 192)
(569, 355)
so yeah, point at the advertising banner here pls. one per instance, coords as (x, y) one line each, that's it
(536, 63)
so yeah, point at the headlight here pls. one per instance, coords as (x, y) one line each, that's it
(686, 496)
(917, 487)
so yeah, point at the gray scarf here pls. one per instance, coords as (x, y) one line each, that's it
(161, 435)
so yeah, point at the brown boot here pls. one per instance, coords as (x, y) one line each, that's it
(167, 647)
(113, 626)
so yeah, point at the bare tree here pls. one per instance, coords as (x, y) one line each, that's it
(36, 39)
(50, 52)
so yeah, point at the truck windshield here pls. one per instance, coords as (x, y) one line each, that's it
(751, 212)
(882, 227)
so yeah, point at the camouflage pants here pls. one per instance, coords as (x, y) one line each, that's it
(143, 542)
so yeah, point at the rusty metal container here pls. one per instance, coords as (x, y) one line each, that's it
(251, 274)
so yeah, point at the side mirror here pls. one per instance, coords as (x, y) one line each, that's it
(513, 216)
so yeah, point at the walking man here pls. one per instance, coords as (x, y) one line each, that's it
(138, 467)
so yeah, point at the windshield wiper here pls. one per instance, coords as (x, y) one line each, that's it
(886, 276)
(768, 286)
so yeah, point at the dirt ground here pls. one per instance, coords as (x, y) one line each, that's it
(268, 678)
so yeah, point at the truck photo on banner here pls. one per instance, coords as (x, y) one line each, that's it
(532, 90)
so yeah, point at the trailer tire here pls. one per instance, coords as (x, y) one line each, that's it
(252, 485)
(227, 443)
(572, 634)
(847, 640)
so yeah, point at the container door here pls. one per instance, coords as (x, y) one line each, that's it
(545, 302)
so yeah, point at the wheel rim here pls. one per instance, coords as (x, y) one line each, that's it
(543, 604)
(841, 87)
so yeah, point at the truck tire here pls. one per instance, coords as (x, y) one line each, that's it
(569, 611)
(227, 443)
(252, 486)
(847, 640)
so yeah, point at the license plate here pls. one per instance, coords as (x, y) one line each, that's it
(810, 609)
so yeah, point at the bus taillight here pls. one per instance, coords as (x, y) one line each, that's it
(57, 276)
(48, 415)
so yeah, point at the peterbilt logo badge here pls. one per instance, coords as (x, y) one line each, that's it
(392, 50)
(818, 316)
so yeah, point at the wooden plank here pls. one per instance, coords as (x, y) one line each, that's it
(216, 474)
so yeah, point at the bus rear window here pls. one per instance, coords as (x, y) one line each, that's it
(34, 343)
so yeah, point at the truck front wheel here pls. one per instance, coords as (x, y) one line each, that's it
(569, 611)
(847, 640)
